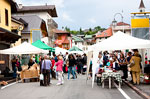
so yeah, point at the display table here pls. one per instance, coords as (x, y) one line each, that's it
(33, 72)
(110, 75)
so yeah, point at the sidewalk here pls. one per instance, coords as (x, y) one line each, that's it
(8, 80)
(143, 89)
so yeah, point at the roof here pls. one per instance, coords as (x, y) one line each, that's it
(34, 22)
(141, 4)
(48, 8)
(122, 23)
(88, 36)
(77, 39)
(20, 21)
(13, 6)
(106, 33)
(60, 31)
(11, 36)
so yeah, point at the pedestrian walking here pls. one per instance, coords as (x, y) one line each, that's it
(46, 65)
(79, 64)
(84, 63)
(59, 69)
(71, 65)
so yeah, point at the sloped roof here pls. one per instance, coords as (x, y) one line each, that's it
(48, 8)
(141, 4)
(34, 22)
(77, 39)
(122, 23)
(13, 6)
(106, 33)
(88, 36)
(60, 31)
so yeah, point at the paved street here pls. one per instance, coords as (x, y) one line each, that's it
(72, 89)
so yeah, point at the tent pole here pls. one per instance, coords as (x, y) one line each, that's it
(143, 59)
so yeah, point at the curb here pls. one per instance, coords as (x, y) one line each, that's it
(10, 81)
(138, 91)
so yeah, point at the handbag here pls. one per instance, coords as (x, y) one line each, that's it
(44, 69)
(41, 77)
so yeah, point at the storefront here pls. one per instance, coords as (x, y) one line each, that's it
(6, 38)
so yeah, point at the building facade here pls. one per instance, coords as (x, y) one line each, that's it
(63, 39)
(78, 42)
(35, 28)
(7, 37)
(45, 12)
(121, 26)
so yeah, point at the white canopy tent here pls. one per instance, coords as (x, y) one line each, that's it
(118, 41)
(77, 52)
(24, 48)
(59, 50)
(121, 41)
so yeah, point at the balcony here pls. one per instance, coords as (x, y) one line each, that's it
(52, 24)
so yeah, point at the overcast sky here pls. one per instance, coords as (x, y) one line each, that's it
(90, 13)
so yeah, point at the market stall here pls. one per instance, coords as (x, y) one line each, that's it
(119, 41)
(75, 49)
(59, 50)
(24, 48)
(41, 45)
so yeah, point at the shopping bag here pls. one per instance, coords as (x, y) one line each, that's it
(41, 77)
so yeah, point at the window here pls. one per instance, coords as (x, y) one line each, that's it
(6, 17)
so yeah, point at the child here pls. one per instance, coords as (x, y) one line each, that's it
(59, 70)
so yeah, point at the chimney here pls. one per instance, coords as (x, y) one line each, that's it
(20, 6)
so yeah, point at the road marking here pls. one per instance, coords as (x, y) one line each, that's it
(9, 85)
(122, 92)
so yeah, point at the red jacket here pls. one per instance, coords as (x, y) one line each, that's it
(53, 62)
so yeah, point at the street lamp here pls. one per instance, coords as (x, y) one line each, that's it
(114, 22)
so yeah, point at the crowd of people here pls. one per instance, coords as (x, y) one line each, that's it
(73, 64)
(60, 64)
(119, 61)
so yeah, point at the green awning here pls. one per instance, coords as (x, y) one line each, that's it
(74, 48)
(42, 45)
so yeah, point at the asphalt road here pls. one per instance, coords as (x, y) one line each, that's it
(72, 89)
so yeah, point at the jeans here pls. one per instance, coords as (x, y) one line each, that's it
(60, 77)
(71, 69)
